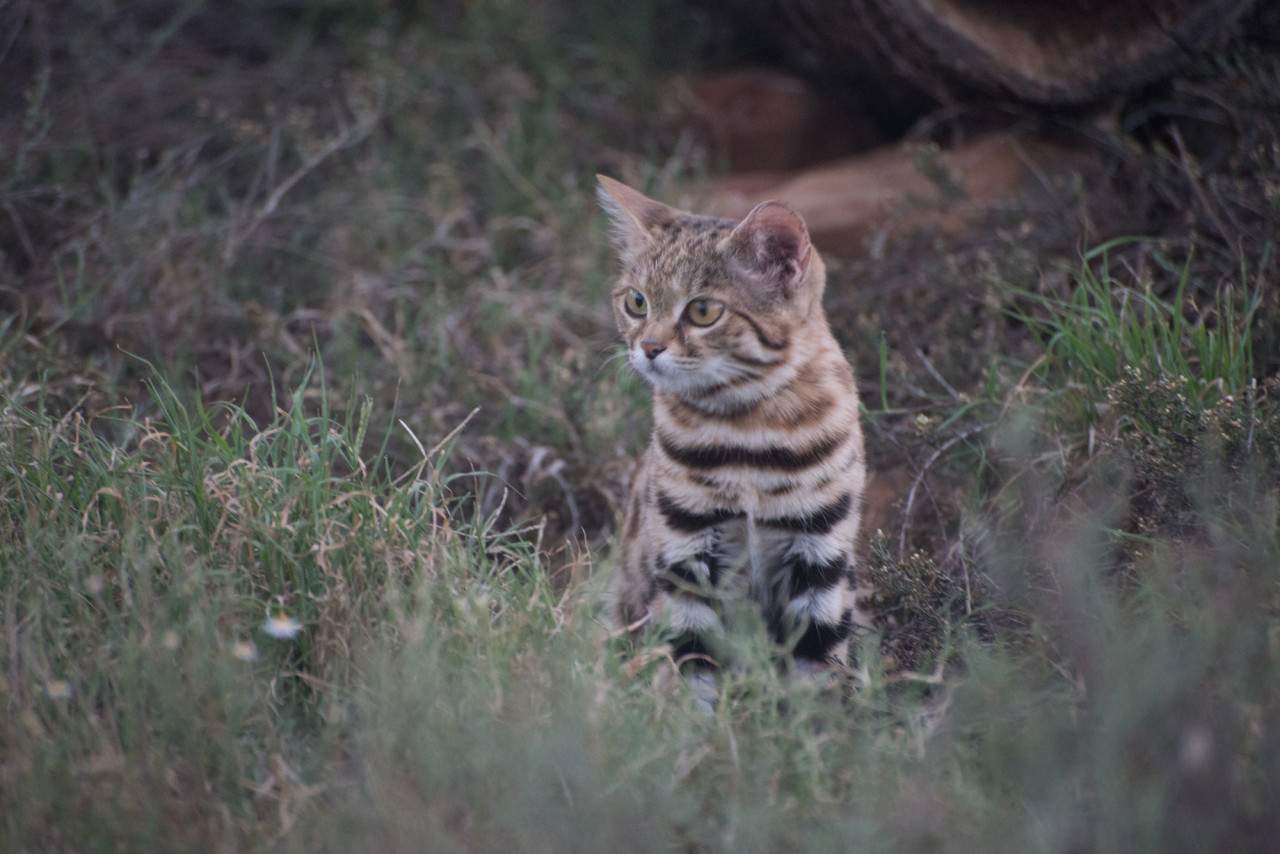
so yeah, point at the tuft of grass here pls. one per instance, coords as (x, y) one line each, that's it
(445, 691)
(148, 582)
(1110, 326)
(1159, 398)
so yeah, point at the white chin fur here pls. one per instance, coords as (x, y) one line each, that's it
(706, 386)
(669, 377)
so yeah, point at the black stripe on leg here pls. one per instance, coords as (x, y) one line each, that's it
(806, 576)
(688, 521)
(819, 638)
(681, 576)
(820, 521)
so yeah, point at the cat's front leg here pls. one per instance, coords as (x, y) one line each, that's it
(811, 608)
(670, 573)
(688, 605)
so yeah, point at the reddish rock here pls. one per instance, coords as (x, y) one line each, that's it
(887, 488)
(901, 187)
(757, 118)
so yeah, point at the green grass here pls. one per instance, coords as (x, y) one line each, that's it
(448, 691)
(376, 393)
(1105, 328)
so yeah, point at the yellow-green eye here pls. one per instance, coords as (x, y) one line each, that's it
(635, 303)
(704, 312)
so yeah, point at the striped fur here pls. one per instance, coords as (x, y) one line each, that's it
(753, 480)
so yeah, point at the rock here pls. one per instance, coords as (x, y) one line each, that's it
(852, 203)
(757, 118)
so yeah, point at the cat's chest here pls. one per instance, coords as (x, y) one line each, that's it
(751, 466)
(756, 493)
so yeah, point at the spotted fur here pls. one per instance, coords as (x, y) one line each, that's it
(753, 479)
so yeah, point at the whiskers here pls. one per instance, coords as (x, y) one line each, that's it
(700, 377)
(616, 352)
(687, 364)
(693, 377)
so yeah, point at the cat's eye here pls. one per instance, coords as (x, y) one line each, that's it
(704, 312)
(635, 303)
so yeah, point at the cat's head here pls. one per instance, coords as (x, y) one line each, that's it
(712, 309)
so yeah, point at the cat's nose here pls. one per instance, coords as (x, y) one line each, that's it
(652, 348)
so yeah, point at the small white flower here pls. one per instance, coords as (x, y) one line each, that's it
(281, 625)
(245, 651)
(57, 689)
(170, 640)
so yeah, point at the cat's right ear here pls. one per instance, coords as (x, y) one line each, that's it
(635, 216)
(772, 245)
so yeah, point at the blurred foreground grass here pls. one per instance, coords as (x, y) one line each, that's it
(244, 344)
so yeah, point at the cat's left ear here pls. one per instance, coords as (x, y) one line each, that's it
(634, 215)
(773, 244)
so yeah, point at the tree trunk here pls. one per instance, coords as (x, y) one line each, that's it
(1053, 53)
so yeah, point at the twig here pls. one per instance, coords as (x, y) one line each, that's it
(348, 136)
(934, 678)
(1253, 402)
(911, 496)
(489, 141)
(23, 237)
(1185, 159)
(427, 455)
(937, 376)
(1018, 386)
(21, 14)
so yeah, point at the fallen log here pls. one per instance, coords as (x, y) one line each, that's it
(1071, 52)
